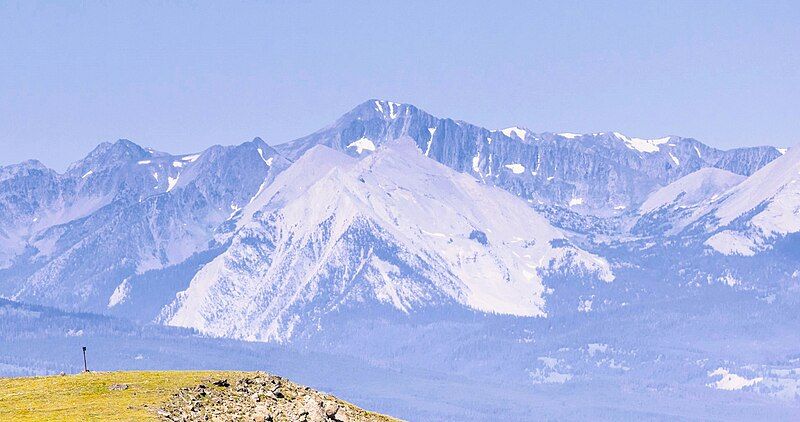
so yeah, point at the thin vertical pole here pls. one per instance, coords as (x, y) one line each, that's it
(85, 367)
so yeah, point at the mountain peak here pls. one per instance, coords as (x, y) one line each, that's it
(119, 148)
(109, 154)
(388, 110)
(13, 170)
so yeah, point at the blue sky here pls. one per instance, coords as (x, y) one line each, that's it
(181, 76)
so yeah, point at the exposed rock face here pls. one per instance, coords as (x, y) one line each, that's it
(595, 173)
(260, 397)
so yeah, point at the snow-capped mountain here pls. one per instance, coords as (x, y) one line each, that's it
(125, 210)
(148, 212)
(600, 173)
(393, 228)
(438, 254)
(759, 211)
(670, 209)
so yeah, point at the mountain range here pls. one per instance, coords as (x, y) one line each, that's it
(506, 255)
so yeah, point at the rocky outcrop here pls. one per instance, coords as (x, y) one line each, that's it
(260, 397)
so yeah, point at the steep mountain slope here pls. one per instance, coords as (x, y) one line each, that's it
(692, 189)
(746, 161)
(671, 208)
(393, 229)
(599, 173)
(759, 211)
(153, 213)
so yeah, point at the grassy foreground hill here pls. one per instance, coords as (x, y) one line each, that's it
(171, 395)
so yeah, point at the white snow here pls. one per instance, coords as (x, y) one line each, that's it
(155, 176)
(570, 135)
(432, 131)
(74, 333)
(392, 112)
(144, 162)
(362, 144)
(171, 183)
(730, 381)
(642, 145)
(378, 107)
(268, 161)
(674, 158)
(595, 348)
(476, 163)
(698, 152)
(575, 202)
(515, 131)
(391, 289)
(782, 151)
(729, 242)
(177, 164)
(120, 294)
(191, 158)
(516, 168)
(550, 373)
(87, 174)
(729, 280)
(433, 233)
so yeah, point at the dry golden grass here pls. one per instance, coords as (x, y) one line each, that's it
(86, 397)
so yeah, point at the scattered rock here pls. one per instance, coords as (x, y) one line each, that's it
(263, 398)
(117, 387)
(222, 383)
(313, 409)
(330, 409)
(341, 417)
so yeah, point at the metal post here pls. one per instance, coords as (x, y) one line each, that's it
(85, 368)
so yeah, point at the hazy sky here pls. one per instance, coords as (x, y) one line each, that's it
(182, 76)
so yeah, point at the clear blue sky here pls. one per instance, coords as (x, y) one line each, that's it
(181, 76)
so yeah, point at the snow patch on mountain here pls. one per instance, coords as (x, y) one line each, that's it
(432, 131)
(642, 145)
(516, 168)
(120, 293)
(574, 202)
(362, 144)
(514, 131)
(730, 381)
(728, 242)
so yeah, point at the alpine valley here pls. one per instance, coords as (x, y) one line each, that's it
(423, 267)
